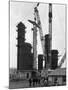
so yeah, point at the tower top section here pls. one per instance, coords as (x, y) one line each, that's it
(21, 26)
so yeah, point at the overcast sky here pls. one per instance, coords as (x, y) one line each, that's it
(22, 11)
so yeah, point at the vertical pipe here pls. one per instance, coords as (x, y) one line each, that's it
(50, 30)
(50, 24)
(49, 43)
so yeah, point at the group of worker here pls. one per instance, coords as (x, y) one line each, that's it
(37, 82)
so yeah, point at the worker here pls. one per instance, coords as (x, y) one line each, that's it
(30, 81)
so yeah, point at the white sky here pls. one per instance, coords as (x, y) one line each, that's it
(22, 11)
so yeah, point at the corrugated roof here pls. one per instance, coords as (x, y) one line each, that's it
(58, 72)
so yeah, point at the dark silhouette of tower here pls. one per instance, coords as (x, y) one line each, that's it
(54, 59)
(47, 52)
(40, 62)
(24, 57)
(51, 56)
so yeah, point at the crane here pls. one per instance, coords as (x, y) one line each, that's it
(35, 44)
(41, 34)
(38, 25)
(40, 28)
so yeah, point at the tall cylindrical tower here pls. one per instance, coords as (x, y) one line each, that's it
(47, 51)
(21, 39)
(54, 59)
(24, 55)
(40, 62)
(48, 41)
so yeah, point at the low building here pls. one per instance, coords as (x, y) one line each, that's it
(57, 77)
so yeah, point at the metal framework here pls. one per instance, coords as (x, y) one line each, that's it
(62, 60)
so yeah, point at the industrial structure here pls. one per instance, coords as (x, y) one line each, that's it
(50, 57)
(47, 41)
(38, 25)
(24, 57)
(40, 62)
(27, 61)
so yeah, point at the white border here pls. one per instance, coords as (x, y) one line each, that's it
(4, 40)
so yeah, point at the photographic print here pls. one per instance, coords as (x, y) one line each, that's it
(37, 44)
